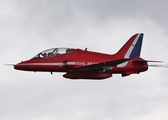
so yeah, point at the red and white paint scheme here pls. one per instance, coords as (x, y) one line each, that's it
(84, 64)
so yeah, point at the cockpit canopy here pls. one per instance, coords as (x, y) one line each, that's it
(53, 52)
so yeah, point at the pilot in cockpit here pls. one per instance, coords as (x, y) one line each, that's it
(50, 54)
(45, 54)
(69, 50)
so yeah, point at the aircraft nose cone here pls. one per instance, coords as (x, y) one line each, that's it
(25, 66)
(19, 66)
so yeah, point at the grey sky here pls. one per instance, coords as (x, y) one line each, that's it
(28, 27)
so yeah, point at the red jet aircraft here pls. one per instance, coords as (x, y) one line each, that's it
(84, 64)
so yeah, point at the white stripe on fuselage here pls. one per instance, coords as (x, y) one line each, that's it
(50, 64)
(67, 63)
(122, 64)
(61, 63)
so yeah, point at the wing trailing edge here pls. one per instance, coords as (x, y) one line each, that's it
(101, 65)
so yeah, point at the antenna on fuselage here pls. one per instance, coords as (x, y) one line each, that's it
(85, 49)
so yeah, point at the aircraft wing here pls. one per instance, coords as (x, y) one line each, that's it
(101, 65)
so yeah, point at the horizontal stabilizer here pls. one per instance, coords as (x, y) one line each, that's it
(153, 61)
(163, 66)
(146, 61)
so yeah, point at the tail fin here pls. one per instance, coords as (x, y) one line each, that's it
(132, 48)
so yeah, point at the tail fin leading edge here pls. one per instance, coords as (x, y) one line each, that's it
(132, 48)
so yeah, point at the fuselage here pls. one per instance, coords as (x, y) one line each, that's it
(78, 58)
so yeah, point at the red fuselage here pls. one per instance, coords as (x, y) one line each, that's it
(79, 58)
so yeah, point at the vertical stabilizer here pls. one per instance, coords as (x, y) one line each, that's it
(132, 48)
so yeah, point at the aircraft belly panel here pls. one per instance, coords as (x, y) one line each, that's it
(83, 75)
